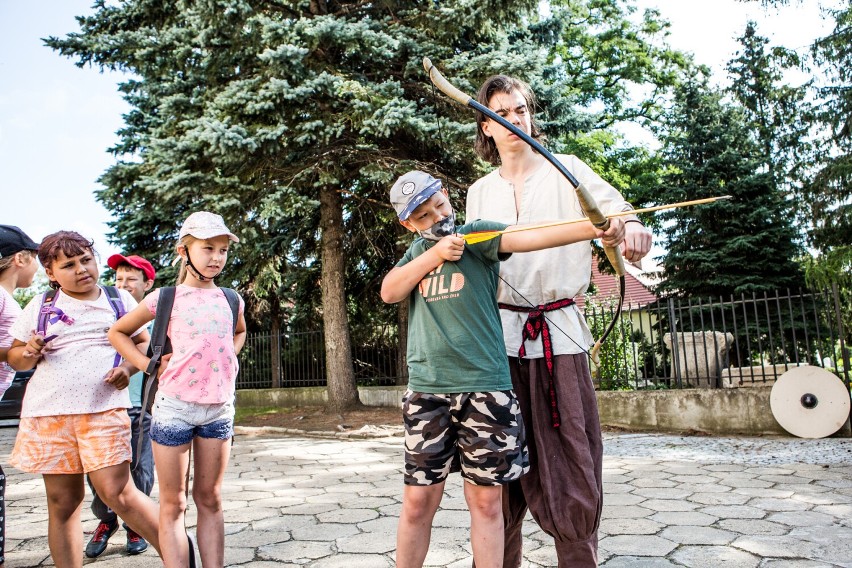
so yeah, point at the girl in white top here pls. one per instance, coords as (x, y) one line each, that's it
(17, 268)
(74, 419)
(194, 405)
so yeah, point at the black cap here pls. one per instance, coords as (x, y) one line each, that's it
(13, 240)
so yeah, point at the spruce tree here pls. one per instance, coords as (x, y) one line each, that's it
(743, 245)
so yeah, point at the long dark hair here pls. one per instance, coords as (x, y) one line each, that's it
(484, 145)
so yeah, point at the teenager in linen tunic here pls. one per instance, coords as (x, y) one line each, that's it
(564, 488)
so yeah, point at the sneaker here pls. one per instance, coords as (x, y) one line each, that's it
(135, 543)
(99, 540)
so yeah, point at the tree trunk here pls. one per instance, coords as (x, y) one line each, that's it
(340, 377)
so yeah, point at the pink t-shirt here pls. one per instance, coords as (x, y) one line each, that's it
(203, 367)
(9, 312)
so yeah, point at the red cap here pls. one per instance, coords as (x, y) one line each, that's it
(117, 260)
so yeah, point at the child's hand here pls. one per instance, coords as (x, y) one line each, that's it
(613, 236)
(117, 377)
(450, 248)
(32, 350)
(164, 362)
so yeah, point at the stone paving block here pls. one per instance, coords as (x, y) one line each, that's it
(669, 505)
(836, 542)
(733, 512)
(324, 531)
(684, 518)
(639, 545)
(719, 498)
(369, 543)
(638, 562)
(625, 512)
(296, 552)
(753, 527)
(630, 526)
(353, 561)
(802, 519)
(543, 555)
(772, 505)
(750, 481)
(684, 534)
(662, 493)
(620, 499)
(794, 564)
(653, 482)
(348, 516)
(767, 493)
(714, 557)
(237, 555)
(777, 546)
(254, 538)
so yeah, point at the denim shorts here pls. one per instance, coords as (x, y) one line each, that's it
(176, 422)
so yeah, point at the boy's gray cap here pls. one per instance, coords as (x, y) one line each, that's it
(410, 190)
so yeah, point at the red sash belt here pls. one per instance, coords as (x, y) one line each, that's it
(537, 324)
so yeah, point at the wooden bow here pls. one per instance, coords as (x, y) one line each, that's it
(587, 202)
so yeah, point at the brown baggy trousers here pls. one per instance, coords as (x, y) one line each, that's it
(563, 489)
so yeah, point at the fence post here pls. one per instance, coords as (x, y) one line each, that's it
(275, 341)
(844, 353)
(675, 354)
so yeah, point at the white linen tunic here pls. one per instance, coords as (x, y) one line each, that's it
(548, 275)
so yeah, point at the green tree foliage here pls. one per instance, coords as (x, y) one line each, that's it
(742, 245)
(829, 196)
(777, 113)
(290, 119)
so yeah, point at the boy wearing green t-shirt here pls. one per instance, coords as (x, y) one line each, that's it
(459, 410)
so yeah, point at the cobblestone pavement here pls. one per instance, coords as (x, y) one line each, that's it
(670, 501)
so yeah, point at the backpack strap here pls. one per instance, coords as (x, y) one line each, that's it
(233, 301)
(156, 349)
(49, 314)
(117, 305)
(159, 337)
(115, 301)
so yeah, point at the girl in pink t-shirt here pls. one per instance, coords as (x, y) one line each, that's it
(74, 418)
(194, 404)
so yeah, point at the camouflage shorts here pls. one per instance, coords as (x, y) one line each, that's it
(480, 434)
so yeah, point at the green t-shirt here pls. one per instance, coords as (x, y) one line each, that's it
(455, 338)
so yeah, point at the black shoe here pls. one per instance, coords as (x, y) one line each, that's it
(99, 540)
(191, 542)
(135, 543)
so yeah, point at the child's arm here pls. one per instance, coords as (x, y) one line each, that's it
(240, 334)
(401, 280)
(119, 377)
(121, 331)
(548, 237)
(24, 356)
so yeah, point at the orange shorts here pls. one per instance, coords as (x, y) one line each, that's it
(72, 443)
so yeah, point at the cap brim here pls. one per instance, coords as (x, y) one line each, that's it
(209, 234)
(419, 199)
(117, 259)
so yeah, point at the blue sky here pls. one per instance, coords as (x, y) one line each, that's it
(57, 120)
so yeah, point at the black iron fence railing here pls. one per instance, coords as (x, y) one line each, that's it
(738, 341)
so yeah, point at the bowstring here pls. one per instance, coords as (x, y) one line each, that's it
(487, 265)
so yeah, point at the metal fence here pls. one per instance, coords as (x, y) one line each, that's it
(691, 343)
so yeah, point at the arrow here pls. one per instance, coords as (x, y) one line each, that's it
(482, 236)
